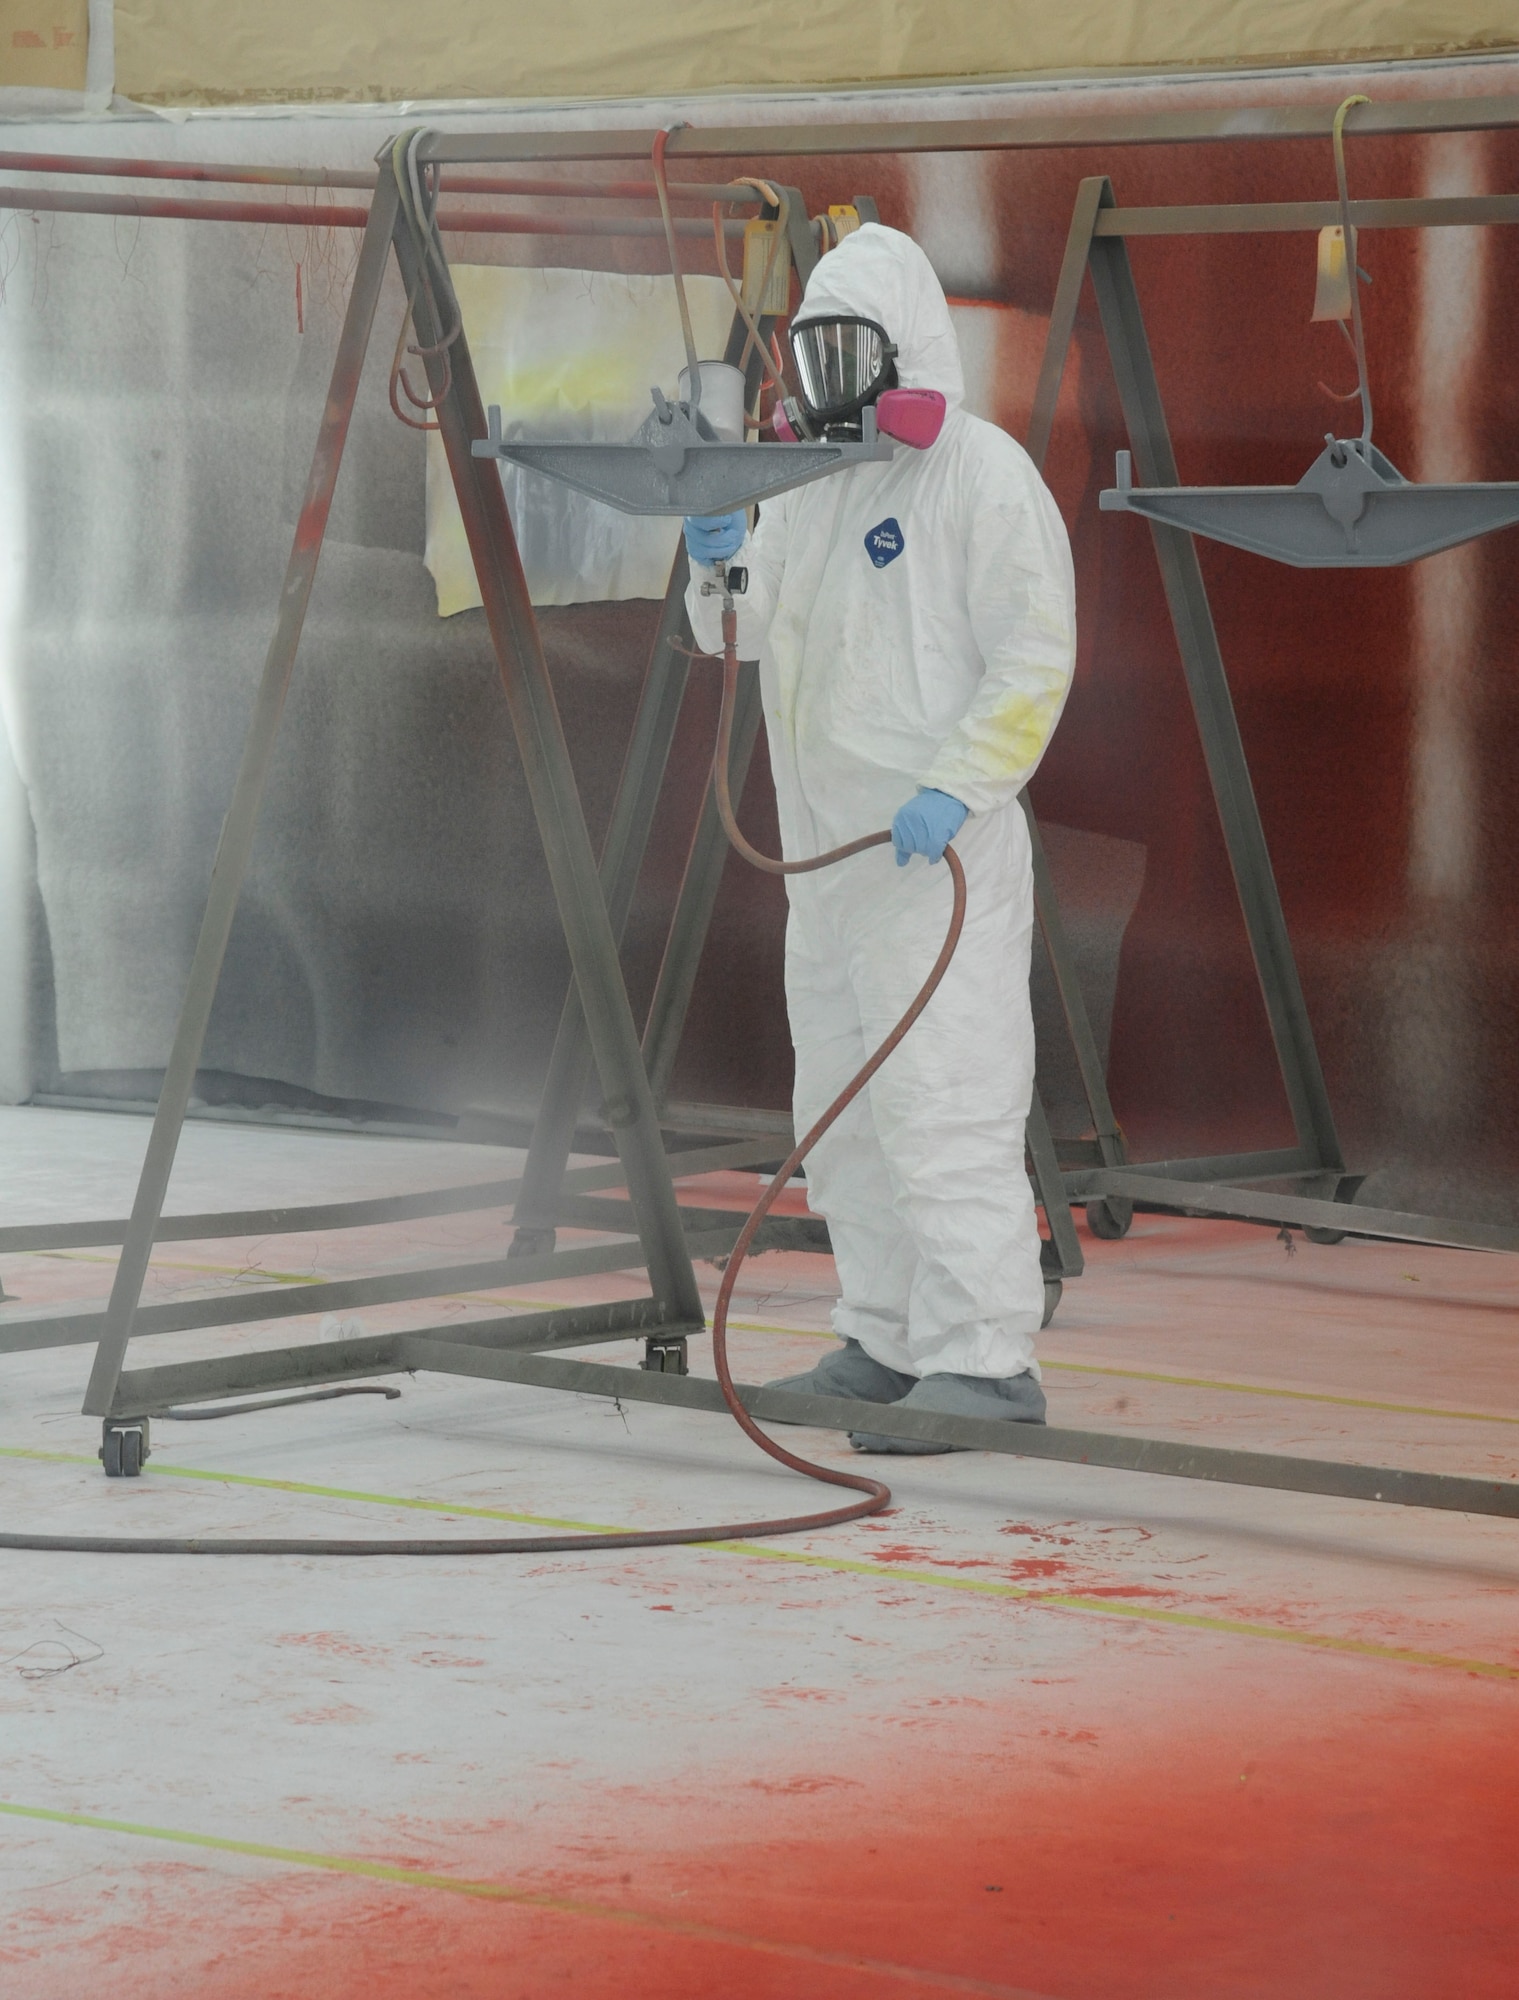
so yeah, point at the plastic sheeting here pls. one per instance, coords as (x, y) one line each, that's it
(181, 51)
(568, 355)
(397, 940)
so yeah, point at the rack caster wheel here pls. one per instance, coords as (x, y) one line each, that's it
(1347, 1190)
(124, 1447)
(666, 1357)
(1109, 1217)
(1052, 1291)
(529, 1241)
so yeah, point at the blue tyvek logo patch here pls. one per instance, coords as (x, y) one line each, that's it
(885, 542)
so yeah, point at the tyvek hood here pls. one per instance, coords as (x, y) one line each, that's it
(880, 274)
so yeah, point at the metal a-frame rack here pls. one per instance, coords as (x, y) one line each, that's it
(1098, 1171)
(597, 1025)
(121, 1398)
(656, 1234)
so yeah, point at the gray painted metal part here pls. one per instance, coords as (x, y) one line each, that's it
(1352, 509)
(676, 464)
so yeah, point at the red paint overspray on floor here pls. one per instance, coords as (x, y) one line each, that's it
(1324, 1830)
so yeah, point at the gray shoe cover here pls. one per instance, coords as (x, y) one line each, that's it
(849, 1371)
(1019, 1400)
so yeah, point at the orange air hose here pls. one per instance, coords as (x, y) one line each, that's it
(877, 1492)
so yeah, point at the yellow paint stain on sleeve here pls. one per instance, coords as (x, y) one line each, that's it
(1003, 743)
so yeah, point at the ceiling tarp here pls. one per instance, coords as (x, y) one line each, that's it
(295, 51)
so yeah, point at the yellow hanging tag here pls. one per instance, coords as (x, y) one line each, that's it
(845, 218)
(1331, 297)
(759, 239)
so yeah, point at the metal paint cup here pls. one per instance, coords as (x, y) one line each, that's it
(722, 398)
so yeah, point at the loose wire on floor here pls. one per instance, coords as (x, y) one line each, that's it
(212, 1410)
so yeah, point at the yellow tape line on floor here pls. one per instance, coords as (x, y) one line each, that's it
(886, 1572)
(163, 1471)
(505, 1892)
(1291, 1395)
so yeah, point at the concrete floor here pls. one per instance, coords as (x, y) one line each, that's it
(1041, 1730)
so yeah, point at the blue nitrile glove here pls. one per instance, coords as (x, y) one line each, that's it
(715, 538)
(926, 825)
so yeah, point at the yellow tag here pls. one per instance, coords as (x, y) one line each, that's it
(1331, 297)
(845, 218)
(759, 239)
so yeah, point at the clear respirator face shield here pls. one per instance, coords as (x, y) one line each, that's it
(841, 365)
(844, 366)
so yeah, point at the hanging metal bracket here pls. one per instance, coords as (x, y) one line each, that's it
(1352, 509)
(676, 464)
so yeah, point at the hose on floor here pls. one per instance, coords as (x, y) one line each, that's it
(876, 1494)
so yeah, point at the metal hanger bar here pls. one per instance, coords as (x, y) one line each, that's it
(1247, 218)
(228, 174)
(452, 221)
(1454, 211)
(1211, 124)
(214, 172)
(703, 191)
(486, 222)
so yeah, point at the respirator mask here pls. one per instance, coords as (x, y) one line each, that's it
(845, 365)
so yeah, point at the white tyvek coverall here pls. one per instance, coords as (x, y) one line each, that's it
(945, 665)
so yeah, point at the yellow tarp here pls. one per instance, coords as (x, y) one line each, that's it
(43, 44)
(192, 51)
(568, 355)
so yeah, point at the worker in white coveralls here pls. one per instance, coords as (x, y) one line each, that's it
(914, 622)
